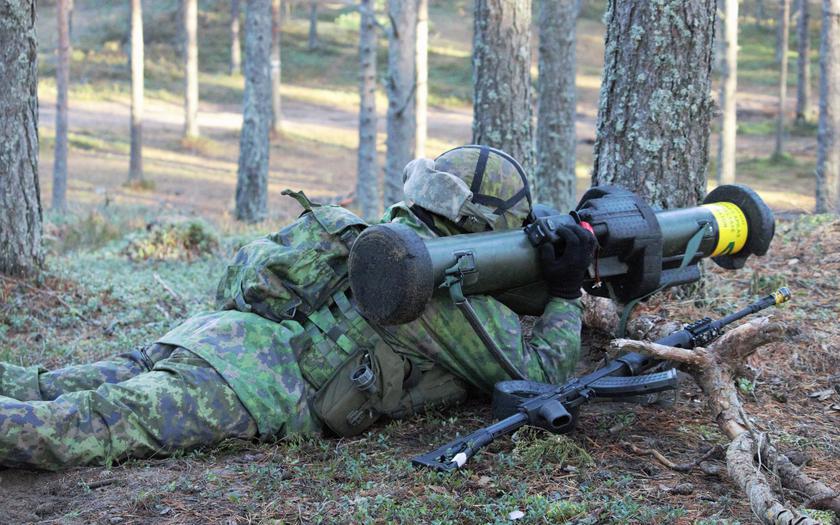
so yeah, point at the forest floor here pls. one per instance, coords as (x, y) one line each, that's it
(111, 282)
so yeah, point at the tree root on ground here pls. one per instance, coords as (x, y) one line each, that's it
(749, 451)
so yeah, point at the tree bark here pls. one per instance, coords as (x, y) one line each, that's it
(276, 114)
(554, 179)
(784, 25)
(235, 45)
(401, 87)
(803, 63)
(313, 25)
(728, 93)
(828, 131)
(20, 194)
(62, 78)
(252, 175)
(421, 97)
(366, 182)
(502, 76)
(135, 170)
(190, 13)
(654, 108)
(781, 27)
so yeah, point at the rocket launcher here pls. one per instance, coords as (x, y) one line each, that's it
(394, 272)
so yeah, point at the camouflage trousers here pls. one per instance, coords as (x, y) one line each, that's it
(109, 410)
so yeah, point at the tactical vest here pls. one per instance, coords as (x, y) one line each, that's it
(300, 273)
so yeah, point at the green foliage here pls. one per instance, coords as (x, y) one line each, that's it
(536, 448)
(172, 239)
(91, 231)
(745, 386)
(763, 284)
(825, 517)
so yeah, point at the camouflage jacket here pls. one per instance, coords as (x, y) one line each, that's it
(258, 354)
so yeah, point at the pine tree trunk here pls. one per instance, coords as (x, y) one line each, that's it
(135, 170)
(252, 175)
(401, 84)
(366, 192)
(235, 44)
(62, 79)
(20, 196)
(190, 13)
(654, 108)
(784, 24)
(421, 97)
(502, 78)
(313, 25)
(276, 114)
(828, 132)
(760, 12)
(803, 63)
(554, 179)
(728, 93)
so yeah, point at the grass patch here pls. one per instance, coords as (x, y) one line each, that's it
(536, 448)
(175, 238)
(204, 146)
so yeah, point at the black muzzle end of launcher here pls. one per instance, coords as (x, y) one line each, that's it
(392, 275)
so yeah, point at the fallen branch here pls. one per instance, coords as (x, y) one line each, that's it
(716, 450)
(713, 370)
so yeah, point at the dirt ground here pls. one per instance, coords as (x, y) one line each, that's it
(791, 390)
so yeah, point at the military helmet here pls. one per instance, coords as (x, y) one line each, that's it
(478, 187)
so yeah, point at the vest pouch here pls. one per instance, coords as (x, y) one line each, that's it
(367, 385)
(436, 388)
(294, 270)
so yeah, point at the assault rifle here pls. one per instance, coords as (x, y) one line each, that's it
(555, 408)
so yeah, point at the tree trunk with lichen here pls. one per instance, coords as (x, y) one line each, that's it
(62, 79)
(784, 23)
(728, 92)
(235, 44)
(803, 65)
(190, 20)
(828, 131)
(312, 43)
(502, 78)
(654, 109)
(554, 178)
(401, 84)
(421, 68)
(366, 182)
(135, 168)
(276, 101)
(20, 195)
(252, 175)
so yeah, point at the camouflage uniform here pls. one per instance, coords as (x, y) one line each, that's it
(275, 353)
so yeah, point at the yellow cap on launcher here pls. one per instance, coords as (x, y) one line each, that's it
(733, 229)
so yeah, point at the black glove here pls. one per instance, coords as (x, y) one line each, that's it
(565, 261)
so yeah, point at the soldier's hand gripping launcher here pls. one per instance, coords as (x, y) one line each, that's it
(394, 272)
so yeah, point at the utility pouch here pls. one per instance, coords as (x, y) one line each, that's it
(436, 388)
(367, 385)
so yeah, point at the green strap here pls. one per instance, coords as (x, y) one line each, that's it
(690, 251)
(301, 198)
